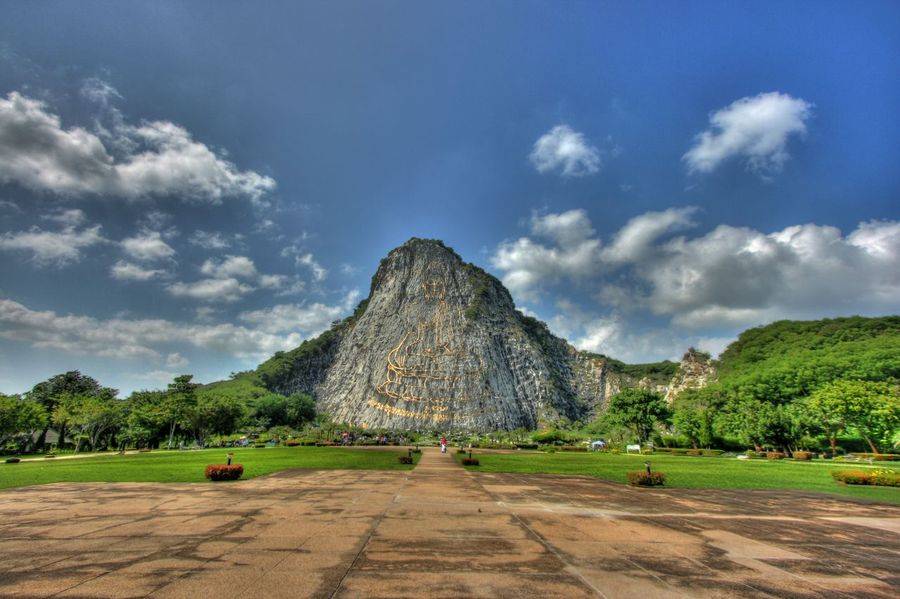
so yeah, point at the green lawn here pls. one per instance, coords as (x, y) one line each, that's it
(188, 466)
(691, 472)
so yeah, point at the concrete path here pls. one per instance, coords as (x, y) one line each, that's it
(439, 531)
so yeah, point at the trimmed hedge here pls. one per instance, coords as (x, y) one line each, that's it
(642, 478)
(803, 455)
(774, 455)
(573, 448)
(405, 459)
(882, 478)
(13, 460)
(224, 471)
(707, 453)
(470, 462)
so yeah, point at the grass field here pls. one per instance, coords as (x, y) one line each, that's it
(691, 472)
(188, 466)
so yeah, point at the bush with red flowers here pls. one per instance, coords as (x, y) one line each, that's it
(224, 471)
(642, 478)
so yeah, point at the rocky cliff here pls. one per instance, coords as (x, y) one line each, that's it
(438, 344)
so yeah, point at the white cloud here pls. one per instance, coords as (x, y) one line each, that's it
(231, 266)
(529, 264)
(305, 259)
(709, 286)
(637, 237)
(155, 158)
(128, 271)
(67, 218)
(755, 129)
(9, 206)
(314, 317)
(567, 151)
(209, 240)
(176, 360)
(148, 246)
(211, 290)
(142, 338)
(52, 247)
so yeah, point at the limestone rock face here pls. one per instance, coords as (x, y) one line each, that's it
(438, 344)
(695, 370)
(441, 346)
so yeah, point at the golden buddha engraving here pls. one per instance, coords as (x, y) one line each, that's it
(425, 373)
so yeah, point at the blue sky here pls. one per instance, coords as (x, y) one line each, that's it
(188, 187)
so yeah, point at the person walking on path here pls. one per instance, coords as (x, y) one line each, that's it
(443, 444)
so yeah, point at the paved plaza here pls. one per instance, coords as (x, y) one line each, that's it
(439, 531)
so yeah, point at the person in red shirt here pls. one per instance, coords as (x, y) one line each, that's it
(443, 444)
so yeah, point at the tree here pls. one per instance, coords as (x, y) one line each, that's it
(180, 400)
(693, 417)
(638, 410)
(69, 384)
(20, 418)
(301, 408)
(216, 415)
(872, 408)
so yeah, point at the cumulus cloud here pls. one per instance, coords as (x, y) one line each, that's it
(154, 158)
(176, 360)
(314, 317)
(67, 218)
(53, 247)
(565, 151)
(228, 280)
(231, 266)
(128, 271)
(148, 246)
(728, 278)
(529, 264)
(211, 290)
(305, 259)
(209, 240)
(755, 129)
(144, 338)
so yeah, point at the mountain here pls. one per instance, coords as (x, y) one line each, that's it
(438, 344)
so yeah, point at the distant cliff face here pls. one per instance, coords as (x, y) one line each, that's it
(440, 345)
(696, 370)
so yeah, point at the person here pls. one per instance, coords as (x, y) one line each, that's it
(443, 444)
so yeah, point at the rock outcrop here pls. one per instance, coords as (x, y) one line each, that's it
(438, 344)
(695, 370)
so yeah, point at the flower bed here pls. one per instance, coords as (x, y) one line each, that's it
(881, 478)
(803, 455)
(774, 455)
(642, 478)
(405, 459)
(880, 457)
(218, 472)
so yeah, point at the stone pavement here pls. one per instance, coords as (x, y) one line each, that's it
(439, 531)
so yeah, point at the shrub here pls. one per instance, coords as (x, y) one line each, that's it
(258, 445)
(224, 471)
(416, 450)
(470, 462)
(292, 443)
(461, 450)
(527, 446)
(774, 455)
(803, 455)
(884, 478)
(693, 452)
(755, 455)
(13, 460)
(880, 457)
(642, 478)
(405, 459)
(49, 455)
(572, 448)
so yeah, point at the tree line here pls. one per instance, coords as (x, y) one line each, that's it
(88, 416)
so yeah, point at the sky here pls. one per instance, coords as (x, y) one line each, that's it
(188, 187)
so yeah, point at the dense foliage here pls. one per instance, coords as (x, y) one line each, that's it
(789, 384)
(86, 415)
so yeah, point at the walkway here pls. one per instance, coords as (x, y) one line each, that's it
(439, 531)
